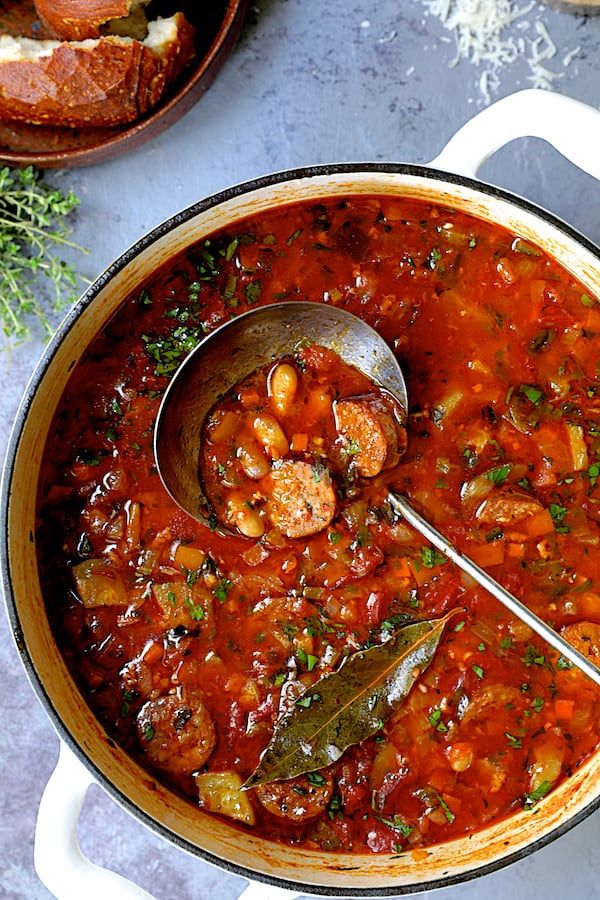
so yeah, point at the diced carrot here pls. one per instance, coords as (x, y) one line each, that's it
(440, 780)
(400, 568)
(152, 653)
(189, 557)
(299, 443)
(564, 709)
(592, 323)
(491, 554)
(421, 573)
(517, 551)
(249, 397)
(539, 524)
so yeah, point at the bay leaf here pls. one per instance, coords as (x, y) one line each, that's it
(349, 705)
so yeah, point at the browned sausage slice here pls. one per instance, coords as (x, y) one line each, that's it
(585, 637)
(371, 434)
(507, 508)
(297, 800)
(177, 735)
(301, 498)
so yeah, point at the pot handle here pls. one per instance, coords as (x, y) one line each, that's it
(58, 860)
(571, 127)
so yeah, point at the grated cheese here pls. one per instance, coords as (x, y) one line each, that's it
(495, 34)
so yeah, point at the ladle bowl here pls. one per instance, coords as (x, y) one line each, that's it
(235, 350)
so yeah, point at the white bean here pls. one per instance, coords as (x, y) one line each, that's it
(282, 385)
(271, 435)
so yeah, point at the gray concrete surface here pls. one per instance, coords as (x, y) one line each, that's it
(309, 82)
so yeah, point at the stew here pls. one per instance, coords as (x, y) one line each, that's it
(192, 647)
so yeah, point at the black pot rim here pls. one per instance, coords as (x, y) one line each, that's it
(86, 299)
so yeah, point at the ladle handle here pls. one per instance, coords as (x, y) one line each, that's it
(571, 127)
(401, 505)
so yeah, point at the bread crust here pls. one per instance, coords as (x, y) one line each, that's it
(76, 20)
(110, 81)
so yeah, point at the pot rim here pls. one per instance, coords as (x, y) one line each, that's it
(159, 231)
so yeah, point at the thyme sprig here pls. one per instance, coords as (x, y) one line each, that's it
(32, 227)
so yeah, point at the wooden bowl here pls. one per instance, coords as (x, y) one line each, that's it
(218, 23)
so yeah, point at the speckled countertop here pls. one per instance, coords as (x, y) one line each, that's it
(309, 82)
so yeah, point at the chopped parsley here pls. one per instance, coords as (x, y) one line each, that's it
(535, 796)
(514, 742)
(307, 700)
(222, 589)
(430, 557)
(315, 778)
(253, 291)
(563, 663)
(532, 393)
(533, 657)
(478, 671)
(499, 474)
(558, 514)
(148, 732)
(398, 824)
(436, 721)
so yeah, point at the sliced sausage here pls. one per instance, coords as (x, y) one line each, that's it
(301, 498)
(177, 735)
(508, 508)
(371, 434)
(585, 637)
(299, 799)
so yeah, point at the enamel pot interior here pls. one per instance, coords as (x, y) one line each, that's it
(157, 806)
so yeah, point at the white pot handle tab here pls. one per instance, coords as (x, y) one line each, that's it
(59, 861)
(571, 127)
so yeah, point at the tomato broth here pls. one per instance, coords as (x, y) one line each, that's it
(188, 645)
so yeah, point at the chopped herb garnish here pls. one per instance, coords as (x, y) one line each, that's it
(514, 742)
(148, 732)
(478, 671)
(253, 291)
(398, 824)
(507, 643)
(334, 537)
(222, 589)
(231, 248)
(279, 679)
(533, 657)
(496, 534)
(587, 300)
(499, 474)
(430, 557)
(532, 393)
(196, 610)
(315, 778)
(306, 701)
(536, 795)
(563, 663)
(436, 721)
(558, 514)
(296, 234)
(115, 407)
(537, 704)
(460, 626)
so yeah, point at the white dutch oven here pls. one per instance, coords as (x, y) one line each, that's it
(87, 755)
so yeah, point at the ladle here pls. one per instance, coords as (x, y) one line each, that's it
(250, 342)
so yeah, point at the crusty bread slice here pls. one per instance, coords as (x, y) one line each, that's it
(105, 81)
(76, 20)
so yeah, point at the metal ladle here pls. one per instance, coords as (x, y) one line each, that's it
(262, 336)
